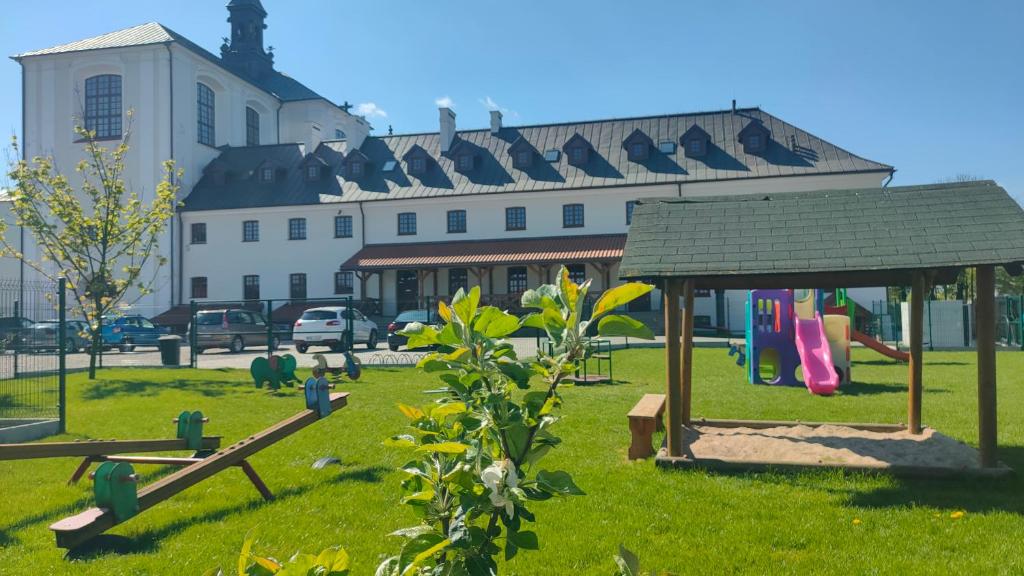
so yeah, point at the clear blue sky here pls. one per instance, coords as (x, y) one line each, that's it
(931, 87)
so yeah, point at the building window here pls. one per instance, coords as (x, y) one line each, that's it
(199, 287)
(577, 272)
(339, 134)
(754, 141)
(342, 226)
(457, 278)
(297, 286)
(516, 279)
(251, 287)
(312, 172)
(296, 228)
(572, 216)
(343, 282)
(465, 162)
(523, 158)
(205, 117)
(199, 233)
(695, 146)
(515, 218)
(267, 174)
(456, 221)
(577, 155)
(639, 149)
(629, 211)
(251, 231)
(418, 165)
(406, 223)
(103, 105)
(355, 169)
(252, 127)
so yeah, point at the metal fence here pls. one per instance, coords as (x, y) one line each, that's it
(33, 337)
(1010, 321)
(233, 326)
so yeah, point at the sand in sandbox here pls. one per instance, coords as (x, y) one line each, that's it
(828, 444)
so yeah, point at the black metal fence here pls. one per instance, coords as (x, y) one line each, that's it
(233, 326)
(33, 339)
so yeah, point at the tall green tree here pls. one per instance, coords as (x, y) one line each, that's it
(98, 233)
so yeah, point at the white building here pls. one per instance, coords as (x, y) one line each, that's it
(286, 195)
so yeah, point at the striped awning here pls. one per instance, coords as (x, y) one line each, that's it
(550, 250)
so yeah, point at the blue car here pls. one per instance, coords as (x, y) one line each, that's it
(127, 332)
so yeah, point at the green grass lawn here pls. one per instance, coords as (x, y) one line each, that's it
(685, 522)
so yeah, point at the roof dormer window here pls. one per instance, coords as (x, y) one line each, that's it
(418, 165)
(522, 153)
(465, 162)
(695, 142)
(355, 165)
(638, 146)
(577, 150)
(267, 174)
(417, 160)
(312, 173)
(754, 137)
(355, 168)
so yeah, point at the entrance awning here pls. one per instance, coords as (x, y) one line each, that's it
(551, 250)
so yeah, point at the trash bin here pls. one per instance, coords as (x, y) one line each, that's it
(170, 350)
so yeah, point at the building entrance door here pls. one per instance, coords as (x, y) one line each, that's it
(407, 290)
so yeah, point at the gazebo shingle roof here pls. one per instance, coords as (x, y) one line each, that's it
(880, 229)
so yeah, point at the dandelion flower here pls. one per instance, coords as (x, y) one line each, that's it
(957, 515)
(856, 521)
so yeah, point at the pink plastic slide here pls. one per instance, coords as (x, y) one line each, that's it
(815, 356)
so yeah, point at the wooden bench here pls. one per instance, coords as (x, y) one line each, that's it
(644, 419)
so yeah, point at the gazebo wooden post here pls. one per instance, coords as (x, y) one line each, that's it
(673, 372)
(917, 295)
(985, 314)
(687, 351)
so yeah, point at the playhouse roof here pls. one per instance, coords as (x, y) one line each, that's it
(825, 238)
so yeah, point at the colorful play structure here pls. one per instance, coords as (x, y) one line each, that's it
(793, 339)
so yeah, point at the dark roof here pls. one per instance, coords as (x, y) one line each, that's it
(279, 84)
(825, 232)
(791, 152)
(556, 250)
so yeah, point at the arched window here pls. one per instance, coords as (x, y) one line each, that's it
(252, 127)
(103, 105)
(205, 116)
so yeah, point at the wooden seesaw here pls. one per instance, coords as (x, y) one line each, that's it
(189, 437)
(115, 481)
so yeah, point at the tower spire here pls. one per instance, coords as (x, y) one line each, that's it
(244, 51)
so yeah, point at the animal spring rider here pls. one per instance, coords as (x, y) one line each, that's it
(274, 371)
(351, 367)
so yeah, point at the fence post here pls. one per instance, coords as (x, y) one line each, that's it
(193, 354)
(350, 328)
(62, 341)
(270, 328)
(931, 342)
(17, 315)
(1020, 321)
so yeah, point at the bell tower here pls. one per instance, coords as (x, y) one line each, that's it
(244, 51)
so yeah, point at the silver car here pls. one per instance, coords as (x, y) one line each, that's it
(232, 328)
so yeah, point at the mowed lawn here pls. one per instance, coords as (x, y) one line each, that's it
(825, 522)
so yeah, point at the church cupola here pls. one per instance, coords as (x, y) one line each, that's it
(244, 51)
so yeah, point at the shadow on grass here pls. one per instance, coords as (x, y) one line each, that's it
(866, 389)
(106, 388)
(881, 362)
(369, 474)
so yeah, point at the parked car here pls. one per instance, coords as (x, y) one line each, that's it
(326, 327)
(127, 332)
(231, 328)
(15, 332)
(396, 340)
(44, 335)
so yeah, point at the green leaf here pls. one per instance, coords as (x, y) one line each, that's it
(243, 556)
(516, 372)
(411, 412)
(418, 550)
(559, 483)
(403, 441)
(444, 448)
(444, 410)
(619, 296)
(534, 320)
(421, 496)
(335, 560)
(554, 324)
(419, 335)
(537, 299)
(502, 326)
(465, 304)
(569, 289)
(620, 325)
(526, 540)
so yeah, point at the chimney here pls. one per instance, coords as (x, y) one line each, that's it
(447, 129)
(495, 121)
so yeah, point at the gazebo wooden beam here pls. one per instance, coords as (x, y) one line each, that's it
(824, 280)
(673, 372)
(914, 372)
(686, 380)
(984, 308)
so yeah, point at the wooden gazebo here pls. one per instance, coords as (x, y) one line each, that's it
(917, 236)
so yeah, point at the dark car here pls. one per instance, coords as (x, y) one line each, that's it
(44, 335)
(409, 316)
(15, 332)
(127, 332)
(231, 328)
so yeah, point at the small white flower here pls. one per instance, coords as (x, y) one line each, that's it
(500, 477)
